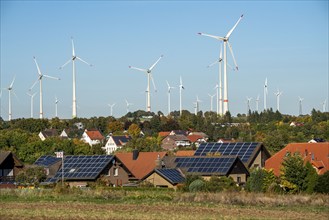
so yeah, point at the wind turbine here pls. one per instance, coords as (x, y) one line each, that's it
(324, 105)
(196, 108)
(149, 78)
(265, 94)
(40, 83)
(128, 104)
(226, 41)
(181, 87)
(111, 106)
(278, 94)
(248, 104)
(211, 97)
(169, 90)
(217, 98)
(56, 105)
(73, 59)
(32, 97)
(257, 100)
(300, 105)
(10, 89)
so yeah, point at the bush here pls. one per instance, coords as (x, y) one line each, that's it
(197, 186)
(322, 185)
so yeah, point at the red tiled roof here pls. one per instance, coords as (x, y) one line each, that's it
(316, 153)
(194, 137)
(185, 153)
(95, 135)
(144, 163)
(164, 133)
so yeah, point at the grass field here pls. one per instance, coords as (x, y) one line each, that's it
(162, 204)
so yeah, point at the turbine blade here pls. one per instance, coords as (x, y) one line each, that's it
(155, 89)
(51, 77)
(155, 63)
(139, 69)
(73, 52)
(221, 52)
(210, 65)
(231, 50)
(34, 84)
(236, 24)
(168, 84)
(84, 61)
(212, 36)
(65, 64)
(39, 72)
(12, 83)
(15, 95)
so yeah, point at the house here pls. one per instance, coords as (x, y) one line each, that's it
(140, 164)
(79, 171)
(71, 133)
(208, 166)
(163, 134)
(172, 142)
(178, 132)
(196, 139)
(51, 164)
(48, 133)
(92, 137)
(226, 140)
(166, 177)
(315, 153)
(250, 153)
(10, 166)
(199, 133)
(116, 142)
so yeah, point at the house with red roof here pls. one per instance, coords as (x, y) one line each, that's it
(140, 164)
(315, 153)
(92, 137)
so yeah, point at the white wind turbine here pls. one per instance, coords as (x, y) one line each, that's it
(111, 107)
(226, 41)
(73, 59)
(248, 105)
(278, 94)
(196, 108)
(56, 106)
(257, 101)
(169, 91)
(127, 105)
(10, 90)
(217, 98)
(181, 87)
(211, 98)
(149, 78)
(324, 105)
(32, 97)
(40, 83)
(300, 105)
(265, 94)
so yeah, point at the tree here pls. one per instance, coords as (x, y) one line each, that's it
(260, 180)
(322, 184)
(134, 131)
(31, 176)
(115, 127)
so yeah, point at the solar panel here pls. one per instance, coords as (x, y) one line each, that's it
(242, 149)
(173, 175)
(205, 164)
(46, 160)
(82, 167)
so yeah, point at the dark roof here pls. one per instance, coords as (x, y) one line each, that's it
(82, 167)
(246, 151)
(50, 133)
(173, 176)
(47, 161)
(179, 132)
(121, 140)
(73, 132)
(5, 154)
(208, 166)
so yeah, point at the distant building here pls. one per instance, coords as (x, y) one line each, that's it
(166, 177)
(43, 135)
(71, 133)
(10, 166)
(116, 142)
(172, 142)
(92, 137)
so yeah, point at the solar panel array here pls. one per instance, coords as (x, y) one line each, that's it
(205, 164)
(46, 160)
(173, 175)
(82, 167)
(240, 149)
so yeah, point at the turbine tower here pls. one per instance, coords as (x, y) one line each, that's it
(56, 106)
(128, 104)
(32, 97)
(278, 94)
(73, 59)
(181, 87)
(169, 90)
(226, 41)
(300, 106)
(324, 105)
(257, 101)
(248, 105)
(211, 97)
(40, 83)
(218, 101)
(10, 89)
(265, 94)
(149, 78)
(196, 108)
(111, 106)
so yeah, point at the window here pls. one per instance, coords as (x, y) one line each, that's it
(116, 172)
(238, 179)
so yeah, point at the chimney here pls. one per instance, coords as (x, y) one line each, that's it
(135, 154)
(158, 164)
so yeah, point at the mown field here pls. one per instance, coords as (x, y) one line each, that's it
(158, 204)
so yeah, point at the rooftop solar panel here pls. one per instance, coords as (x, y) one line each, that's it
(46, 161)
(173, 175)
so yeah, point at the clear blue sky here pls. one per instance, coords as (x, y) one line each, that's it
(287, 42)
